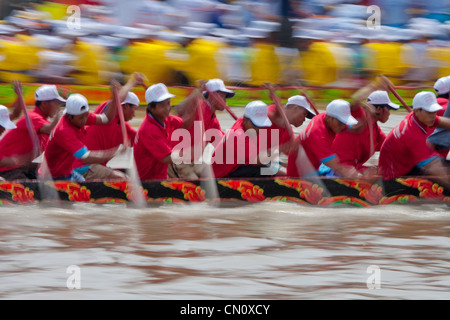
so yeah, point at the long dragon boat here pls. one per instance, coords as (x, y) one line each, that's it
(318, 192)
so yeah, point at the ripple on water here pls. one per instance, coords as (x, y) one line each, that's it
(260, 251)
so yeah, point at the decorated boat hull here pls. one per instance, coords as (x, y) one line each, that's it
(319, 192)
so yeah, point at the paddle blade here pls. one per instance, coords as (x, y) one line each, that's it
(121, 117)
(47, 189)
(31, 131)
(134, 184)
(208, 181)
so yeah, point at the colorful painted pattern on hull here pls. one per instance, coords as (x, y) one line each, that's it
(317, 192)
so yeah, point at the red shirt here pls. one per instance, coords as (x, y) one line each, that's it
(234, 150)
(443, 102)
(153, 143)
(65, 145)
(405, 147)
(106, 136)
(209, 119)
(18, 142)
(210, 122)
(317, 141)
(283, 133)
(354, 149)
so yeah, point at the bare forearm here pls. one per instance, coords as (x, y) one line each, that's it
(439, 171)
(136, 79)
(48, 127)
(17, 110)
(100, 156)
(444, 123)
(343, 170)
(167, 159)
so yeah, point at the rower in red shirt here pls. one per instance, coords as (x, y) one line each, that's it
(110, 136)
(405, 151)
(195, 168)
(66, 143)
(297, 109)
(355, 148)
(210, 105)
(17, 142)
(316, 141)
(153, 145)
(238, 153)
(16, 108)
(440, 138)
(442, 88)
(106, 137)
(6, 124)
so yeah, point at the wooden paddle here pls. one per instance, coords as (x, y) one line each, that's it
(134, 183)
(303, 92)
(304, 166)
(208, 180)
(280, 109)
(392, 90)
(121, 117)
(216, 98)
(32, 133)
(199, 111)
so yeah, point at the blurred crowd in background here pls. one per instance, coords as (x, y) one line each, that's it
(243, 42)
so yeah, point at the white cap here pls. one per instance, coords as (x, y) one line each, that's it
(76, 104)
(381, 97)
(340, 109)
(157, 93)
(132, 99)
(426, 100)
(442, 85)
(5, 121)
(301, 102)
(256, 111)
(217, 85)
(47, 93)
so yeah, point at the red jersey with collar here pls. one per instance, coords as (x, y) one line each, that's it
(283, 133)
(209, 118)
(354, 149)
(444, 104)
(234, 150)
(18, 142)
(405, 147)
(317, 142)
(107, 136)
(65, 145)
(197, 130)
(153, 143)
